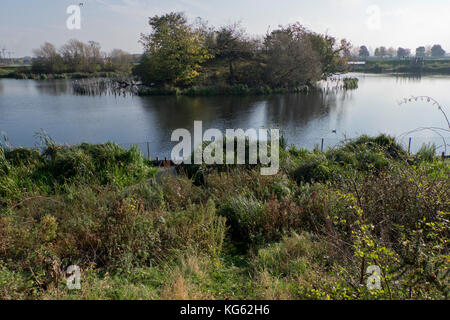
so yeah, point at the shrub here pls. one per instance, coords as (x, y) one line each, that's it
(22, 156)
(313, 168)
(106, 162)
(72, 163)
(381, 143)
(245, 218)
(254, 223)
(367, 153)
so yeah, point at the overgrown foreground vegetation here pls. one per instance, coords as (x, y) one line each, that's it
(309, 232)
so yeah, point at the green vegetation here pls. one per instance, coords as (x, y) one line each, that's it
(309, 232)
(174, 51)
(24, 73)
(75, 60)
(351, 83)
(205, 60)
(435, 51)
(432, 66)
(236, 89)
(78, 57)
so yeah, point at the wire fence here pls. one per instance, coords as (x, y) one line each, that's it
(153, 151)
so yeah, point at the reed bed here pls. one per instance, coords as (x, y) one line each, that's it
(99, 87)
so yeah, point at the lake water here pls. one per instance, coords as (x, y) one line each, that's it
(27, 106)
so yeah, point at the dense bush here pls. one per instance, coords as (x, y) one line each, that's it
(313, 168)
(108, 163)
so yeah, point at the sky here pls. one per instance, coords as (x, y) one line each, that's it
(27, 24)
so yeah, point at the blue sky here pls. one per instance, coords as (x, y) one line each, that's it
(26, 24)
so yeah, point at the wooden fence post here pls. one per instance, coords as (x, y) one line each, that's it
(321, 146)
(409, 146)
(148, 150)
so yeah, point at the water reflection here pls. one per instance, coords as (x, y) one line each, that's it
(54, 87)
(290, 113)
(26, 106)
(408, 78)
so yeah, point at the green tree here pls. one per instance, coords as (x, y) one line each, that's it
(47, 60)
(232, 45)
(377, 52)
(420, 52)
(120, 60)
(291, 59)
(81, 57)
(332, 55)
(437, 51)
(364, 52)
(391, 52)
(381, 52)
(174, 51)
(402, 52)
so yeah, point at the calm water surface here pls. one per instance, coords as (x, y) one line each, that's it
(27, 106)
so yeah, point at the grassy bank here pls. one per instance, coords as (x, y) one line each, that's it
(308, 232)
(24, 73)
(238, 89)
(441, 66)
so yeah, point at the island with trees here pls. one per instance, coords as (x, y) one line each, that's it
(199, 59)
(196, 58)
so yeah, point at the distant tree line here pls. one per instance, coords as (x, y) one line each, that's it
(435, 51)
(179, 53)
(76, 56)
